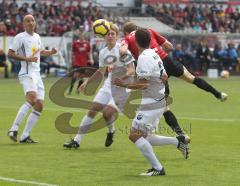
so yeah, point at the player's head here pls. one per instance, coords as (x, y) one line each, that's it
(82, 36)
(112, 36)
(29, 23)
(143, 38)
(128, 27)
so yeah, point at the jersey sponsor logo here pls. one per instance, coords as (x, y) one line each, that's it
(139, 116)
(126, 58)
(110, 59)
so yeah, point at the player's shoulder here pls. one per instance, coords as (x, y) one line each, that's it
(36, 34)
(117, 45)
(147, 55)
(103, 50)
(147, 52)
(20, 35)
(151, 30)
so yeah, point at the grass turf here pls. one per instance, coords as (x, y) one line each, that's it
(213, 126)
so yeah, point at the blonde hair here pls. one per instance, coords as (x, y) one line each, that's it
(114, 27)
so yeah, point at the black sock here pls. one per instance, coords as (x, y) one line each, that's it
(202, 84)
(71, 85)
(171, 120)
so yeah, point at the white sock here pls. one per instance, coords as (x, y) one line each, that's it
(147, 151)
(84, 126)
(111, 128)
(156, 140)
(110, 125)
(22, 113)
(31, 122)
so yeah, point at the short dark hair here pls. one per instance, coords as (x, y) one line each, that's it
(143, 38)
(128, 27)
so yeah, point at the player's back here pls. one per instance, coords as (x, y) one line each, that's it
(156, 41)
(150, 67)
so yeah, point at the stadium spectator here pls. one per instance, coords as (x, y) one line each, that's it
(41, 27)
(203, 56)
(95, 54)
(47, 63)
(220, 55)
(16, 66)
(232, 57)
(210, 18)
(59, 17)
(178, 54)
(3, 62)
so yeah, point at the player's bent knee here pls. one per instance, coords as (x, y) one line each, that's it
(134, 136)
(38, 105)
(31, 98)
(187, 76)
(108, 114)
(92, 113)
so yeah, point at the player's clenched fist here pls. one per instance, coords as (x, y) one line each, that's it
(32, 59)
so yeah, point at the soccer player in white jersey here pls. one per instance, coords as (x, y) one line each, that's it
(150, 73)
(27, 48)
(109, 59)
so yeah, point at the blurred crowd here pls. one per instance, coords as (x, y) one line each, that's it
(58, 17)
(52, 19)
(200, 58)
(198, 17)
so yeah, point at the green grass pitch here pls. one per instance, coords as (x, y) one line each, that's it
(214, 128)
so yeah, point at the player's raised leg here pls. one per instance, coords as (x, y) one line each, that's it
(202, 84)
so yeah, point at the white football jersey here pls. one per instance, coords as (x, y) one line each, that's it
(111, 58)
(150, 67)
(27, 45)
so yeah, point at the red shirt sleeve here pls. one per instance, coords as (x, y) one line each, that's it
(160, 39)
(125, 41)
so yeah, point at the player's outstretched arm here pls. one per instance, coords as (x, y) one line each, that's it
(93, 79)
(167, 46)
(48, 52)
(136, 84)
(12, 54)
(123, 49)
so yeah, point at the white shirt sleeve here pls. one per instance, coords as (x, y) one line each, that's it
(143, 69)
(100, 59)
(128, 59)
(16, 44)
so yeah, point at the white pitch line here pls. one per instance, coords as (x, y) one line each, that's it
(25, 181)
(211, 119)
(62, 109)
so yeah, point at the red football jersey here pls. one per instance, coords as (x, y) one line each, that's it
(81, 51)
(156, 41)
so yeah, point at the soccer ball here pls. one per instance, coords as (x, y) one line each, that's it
(224, 74)
(101, 27)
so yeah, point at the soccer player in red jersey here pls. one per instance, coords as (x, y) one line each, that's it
(160, 45)
(80, 58)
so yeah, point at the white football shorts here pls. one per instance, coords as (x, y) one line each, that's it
(33, 82)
